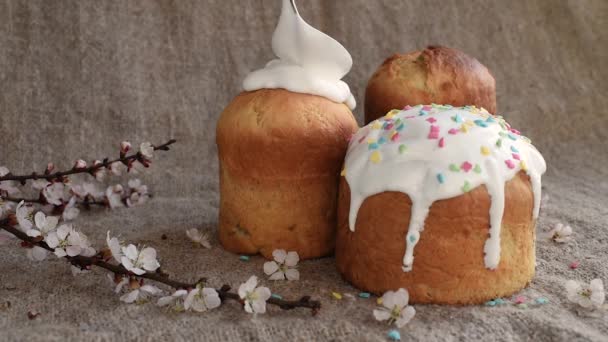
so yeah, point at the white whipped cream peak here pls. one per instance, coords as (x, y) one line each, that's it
(309, 61)
(435, 152)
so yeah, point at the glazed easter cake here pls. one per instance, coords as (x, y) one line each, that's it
(442, 201)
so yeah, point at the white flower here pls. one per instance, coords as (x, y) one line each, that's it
(114, 196)
(147, 150)
(54, 193)
(86, 189)
(125, 146)
(395, 309)
(139, 262)
(141, 295)
(70, 212)
(115, 247)
(37, 253)
(40, 184)
(66, 241)
(99, 173)
(80, 164)
(587, 296)
(117, 168)
(24, 215)
(139, 193)
(44, 225)
(283, 266)
(198, 237)
(7, 186)
(176, 300)
(255, 298)
(560, 233)
(202, 299)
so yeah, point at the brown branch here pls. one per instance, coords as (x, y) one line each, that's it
(97, 260)
(90, 170)
(86, 202)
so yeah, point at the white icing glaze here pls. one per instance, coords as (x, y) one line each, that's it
(309, 61)
(436, 152)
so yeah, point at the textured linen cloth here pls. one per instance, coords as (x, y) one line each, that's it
(77, 77)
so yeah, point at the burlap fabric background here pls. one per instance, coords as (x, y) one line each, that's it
(77, 77)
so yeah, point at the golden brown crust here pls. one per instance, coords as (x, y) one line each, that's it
(434, 75)
(448, 260)
(280, 158)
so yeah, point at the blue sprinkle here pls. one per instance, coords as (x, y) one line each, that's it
(490, 119)
(364, 295)
(412, 238)
(499, 301)
(490, 303)
(244, 258)
(394, 335)
(400, 127)
(440, 178)
(542, 300)
(276, 296)
(514, 149)
(423, 112)
(373, 146)
(511, 136)
(457, 118)
(382, 140)
(480, 123)
(385, 124)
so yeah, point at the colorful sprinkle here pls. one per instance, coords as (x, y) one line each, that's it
(515, 156)
(343, 172)
(379, 301)
(485, 151)
(364, 295)
(407, 107)
(511, 136)
(375, 157)
(510, 164)
(394, 335)
(454, 167)
(391, 113)
(464, 128)
(376, 125)
(422, 113)
(542, 300)
(276, 296)
(490, 303)
(244, 258)
(395, 136)
(373, 146)
(522, 306)
(434, 132)
(502, 134)
(382, 140)
(412, 238)
(466, 166)
(477, 168)
(336, 295)
(466, 187)
(441, 142)
(574, 265)
(513, 149)
(513, 130)
(499, 142)
(457, 118)
(453, 131)
(519, 300)
(499, 301)
(490, 119)
(481, 123)
(427, 107)
(402, 148)
(388, 126)
(400, 127)
(362, 138)
(431, 120)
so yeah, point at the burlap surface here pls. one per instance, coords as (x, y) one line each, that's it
(77, 77)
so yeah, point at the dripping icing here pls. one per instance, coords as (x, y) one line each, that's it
(445, 151)
(309, 61)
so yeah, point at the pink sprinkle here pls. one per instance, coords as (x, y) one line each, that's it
(389, 126)
(453, 131)
(466, 166)
(410, 116)
(407, 107)
(427, 107)
(513, 130)
(434, 133)
(520, 300)
(362, 138)
(515, 156)
(441, 142)
(510, 164)
(574, 265)
(395, 137)
(431, 120)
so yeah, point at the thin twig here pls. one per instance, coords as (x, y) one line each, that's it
(91, 169)
(97, 260)
(86, 202)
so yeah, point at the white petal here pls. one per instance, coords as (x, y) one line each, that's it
(33, 233)
(212, 298)
(130, 297)
(121, 284)
(39, 254)
(52, 240)
(279, 275)
(389, 300)
(258, 306)
(194, 234)
(263, 293)
(292, 259)
(270, 267)
(572, 290)
(148, 258)
(596, 285)
(73, 250)
(40, 219)
(63, 231)
(51, 223)
(248, 307)
(382, 314)
(130, 252)
(279, 255)
(406, 315)
(190, 298)
(292, 274)
(60, 252)
(401, 298)
(164, 301)
(153, 290)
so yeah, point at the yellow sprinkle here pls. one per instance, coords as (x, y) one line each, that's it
(379, 301)
(376, 125)
(375, 157)
(343, 173)
(336, 295)
(523, 165)
(469, 123)
(391, 113)
(485, 151)
(393, 134)
(371, 140)
(464, 129)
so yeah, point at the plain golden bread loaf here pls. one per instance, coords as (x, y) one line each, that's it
(434, 75)
(280, 157)
(449, 266)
